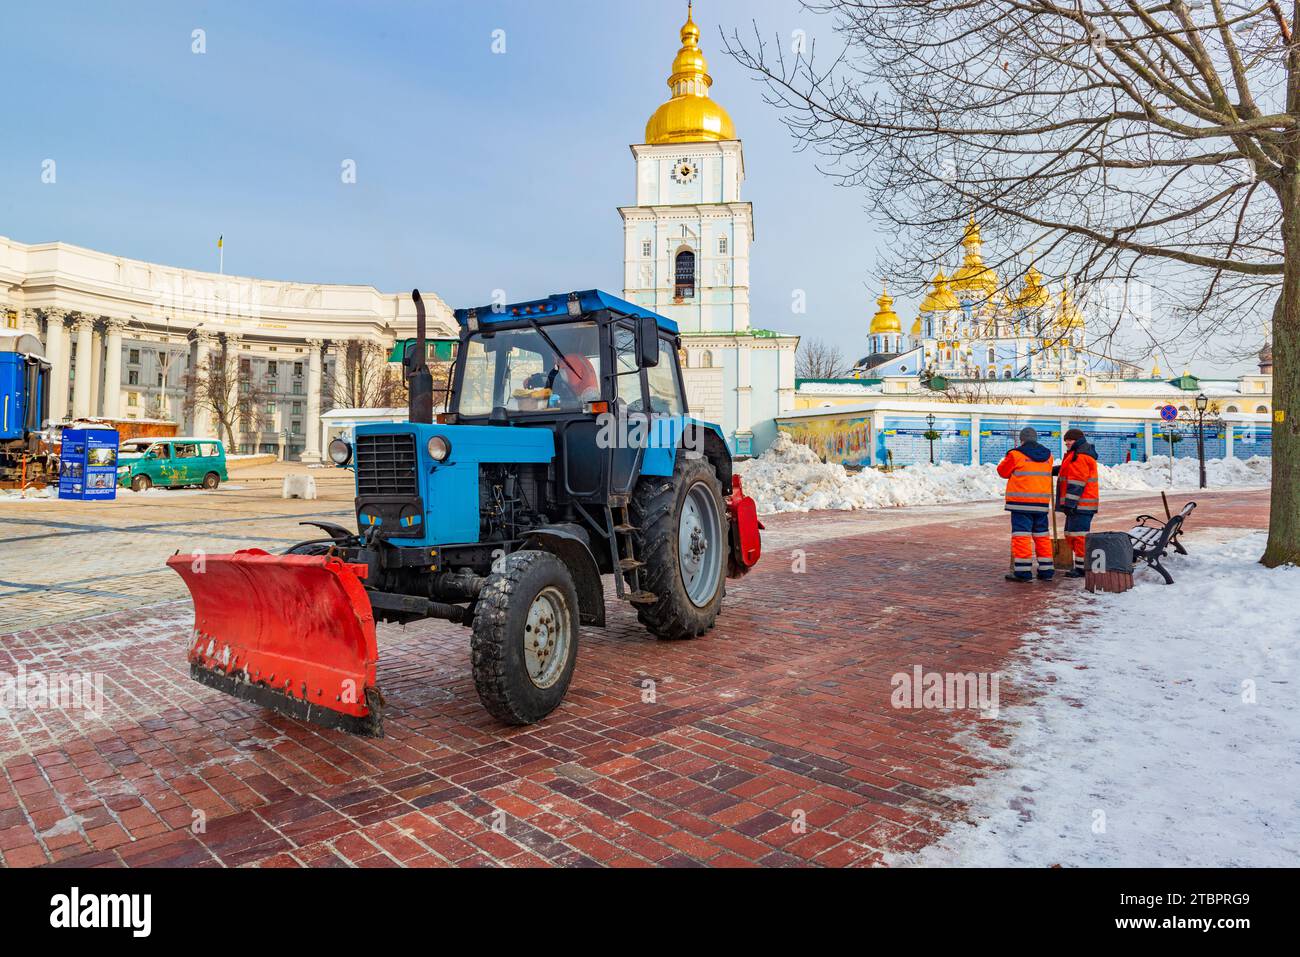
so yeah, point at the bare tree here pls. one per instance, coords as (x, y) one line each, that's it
(975, 391)
(1107, 136)
(365, 379)
(225, 390)
(818, 359)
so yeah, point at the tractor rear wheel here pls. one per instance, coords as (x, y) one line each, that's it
(525, 641)
(682, 539)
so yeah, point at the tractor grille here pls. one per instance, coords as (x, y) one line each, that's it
(386, 465)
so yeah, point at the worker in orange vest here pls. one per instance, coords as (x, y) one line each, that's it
(1077, 494)
(1028, 471)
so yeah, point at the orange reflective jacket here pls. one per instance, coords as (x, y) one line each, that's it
(1078, 486)
(1028, 471)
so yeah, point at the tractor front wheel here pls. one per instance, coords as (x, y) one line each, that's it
(682, 539)
(525, 641)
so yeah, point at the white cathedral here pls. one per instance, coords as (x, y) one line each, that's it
(968, 327)
(686, 256)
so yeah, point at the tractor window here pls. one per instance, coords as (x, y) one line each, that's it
(665, 396)
(519, 371)
(625, 364)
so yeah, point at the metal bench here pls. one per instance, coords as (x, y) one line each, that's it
(1153, 538)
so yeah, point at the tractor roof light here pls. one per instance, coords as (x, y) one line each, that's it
(439, 448)
(340, 452)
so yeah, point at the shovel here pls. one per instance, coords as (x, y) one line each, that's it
(1062, 553)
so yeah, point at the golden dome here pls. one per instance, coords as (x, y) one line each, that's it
(1155, 370)
(1034, 295)
(690, 116)
(940, 298)
(885, 320)
(916, 328)
(973, 276)
(1069, 316)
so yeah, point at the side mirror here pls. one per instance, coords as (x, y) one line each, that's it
(647, 341)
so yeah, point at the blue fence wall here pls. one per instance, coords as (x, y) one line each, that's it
(1116, 441)
(903, 441)
(998, 436)
(1249, 440)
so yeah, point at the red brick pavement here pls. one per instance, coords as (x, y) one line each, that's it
(771, 741)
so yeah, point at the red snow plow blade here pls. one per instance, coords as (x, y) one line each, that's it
(746, 542)
(291, 632)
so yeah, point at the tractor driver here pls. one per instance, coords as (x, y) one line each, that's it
(573, 381)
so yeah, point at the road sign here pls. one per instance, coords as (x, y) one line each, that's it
(1168, 413)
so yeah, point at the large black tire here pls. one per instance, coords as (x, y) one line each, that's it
(521, 584)
(211, 481)
(657, 506)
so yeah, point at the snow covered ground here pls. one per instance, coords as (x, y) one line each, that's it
(789, 477)
(1165, 731)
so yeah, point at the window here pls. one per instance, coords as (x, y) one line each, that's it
(187, 450)
(518, 370)
(297, 408)
(722, 245)
(647, 249)
(297, 389)
(993, 356)
(11, 319)
(685, 286)
(209, 449)
(665, 396)
(706, 359)
(1262, 410)
(133, 356)
(160, 379)
(273, 369)
(1232, 408)
(297, 368)
(245, 366)
(132, 398)
(270, 408)
(133, 377)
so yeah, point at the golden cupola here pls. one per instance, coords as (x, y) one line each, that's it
(940, 298)
(690, 116)
(1034, 295)
(972, 276)
(1069, 315)
(885, 321)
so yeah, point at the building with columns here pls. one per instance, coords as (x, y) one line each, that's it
(125, 338)
(686, 249)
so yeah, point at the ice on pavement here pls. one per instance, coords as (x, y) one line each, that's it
(789, 477)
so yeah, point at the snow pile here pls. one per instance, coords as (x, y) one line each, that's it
(789, 477)
(1219, 473)
(13, 495)
(1165, 734)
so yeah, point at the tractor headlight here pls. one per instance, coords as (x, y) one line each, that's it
(340, 452)
(439, 448)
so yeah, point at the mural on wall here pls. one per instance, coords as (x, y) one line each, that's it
(843, 441)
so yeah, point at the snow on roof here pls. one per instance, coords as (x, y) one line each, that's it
(364, 413)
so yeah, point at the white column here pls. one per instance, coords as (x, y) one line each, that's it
(976, 423)
(311, 426)
(201, 419)
(81, 382)
(113, 368)
(56, 350)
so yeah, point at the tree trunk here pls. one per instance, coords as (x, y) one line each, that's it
(1284, 519)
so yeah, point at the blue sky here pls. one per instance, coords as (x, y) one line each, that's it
(475, 171)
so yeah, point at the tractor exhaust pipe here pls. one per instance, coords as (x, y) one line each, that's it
(419, 380)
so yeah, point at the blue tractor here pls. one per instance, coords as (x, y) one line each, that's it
(566, 454)
(24, 407)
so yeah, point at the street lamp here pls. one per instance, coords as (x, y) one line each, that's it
(929, 422)
(1202, 403)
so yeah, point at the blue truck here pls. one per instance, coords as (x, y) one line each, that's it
(24, 407)
(566, 454)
